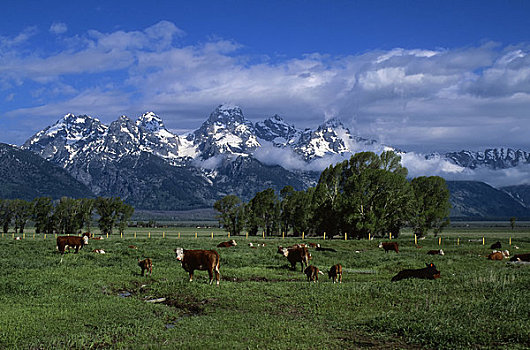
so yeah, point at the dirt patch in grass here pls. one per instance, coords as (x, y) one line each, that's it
(257, 279)
(188, 304)
(355, 340)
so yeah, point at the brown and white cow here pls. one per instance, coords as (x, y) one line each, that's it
(389, 246)
(146, 265)
(496, 256)
(334, 272)
(295, 255)
(199, 260)
(312, 273)
(76, 242)
(230, 243)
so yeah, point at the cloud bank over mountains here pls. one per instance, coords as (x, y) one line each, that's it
(424, 99)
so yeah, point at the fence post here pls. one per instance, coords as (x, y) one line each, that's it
(369, 236)
(390, 235)
(283, 234)
(458, 241)
(121, 234)
(246, 235)
(415, 239)
(44, 236)
(134, 234)
(195, 235)
(178, 235)
(212, 234)
(163, 234)
(228, 234)
(303, 235)
(483, 241)
(510, 241)
(263, 234)
(324, 235)
(345, 236)
(107, 235)
(149, 234)
(439, 240)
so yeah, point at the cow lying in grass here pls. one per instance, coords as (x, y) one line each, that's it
(429, 273)
(295, 255)
(76, 242)
(312, 273)
(521, 257)
(498, 255)
(335, 272)
(146, 265)
(436, 252)
(389, 246)
(199, 260)
(230, 243)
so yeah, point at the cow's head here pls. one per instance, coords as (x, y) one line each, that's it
(442, 252)
(179, 253)
(233, 242)
(380, 245)
(85, 239)
(433, 270)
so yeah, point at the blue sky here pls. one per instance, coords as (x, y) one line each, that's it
(419, 75)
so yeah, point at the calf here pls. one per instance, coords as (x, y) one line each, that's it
(428, 273)
(312, 273)
(199, 260)
(436, 252)
(146, 264)
(76, 242)
(334, 272)
(230, 243)
(389, 246)
(521, 257)
(295, 255)
(496, 256)
(496, 245)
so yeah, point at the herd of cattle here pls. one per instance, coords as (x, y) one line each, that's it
(209, 260)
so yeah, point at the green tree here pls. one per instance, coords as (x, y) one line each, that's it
(231, 214)
(42, 214)
(264, 211)
(107, 208)
(6, 214)
(68, 216)
(86, 211)
(124, 213)
(432, 205)
(22, 211)
(296, 210)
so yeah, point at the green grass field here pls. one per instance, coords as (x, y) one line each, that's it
(101, 301)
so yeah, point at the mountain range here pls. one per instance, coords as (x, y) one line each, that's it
(150, 167)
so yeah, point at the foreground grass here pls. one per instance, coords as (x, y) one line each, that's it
(99, 301)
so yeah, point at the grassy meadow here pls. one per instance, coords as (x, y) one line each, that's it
(94, 301)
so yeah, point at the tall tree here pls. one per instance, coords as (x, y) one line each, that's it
(431, 203)
(124, 213)
(107, 209)
(22, 211)
(6, 214)
(42, 214)
(265, 211)
(231, 213)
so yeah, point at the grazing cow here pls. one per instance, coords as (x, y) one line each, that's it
(296, 254)
(429, 273)
(312, 273)
(322, 249)
(389, 246)
(521, 257)
(199, 260)
(146, 264)
(496, 256)
(334, 272)
(496, 245)
(76, 242)
(436, 252)
(230, 243)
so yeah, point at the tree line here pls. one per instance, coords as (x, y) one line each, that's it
(66, 215)
(367, 194)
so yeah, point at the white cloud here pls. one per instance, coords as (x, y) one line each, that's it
(423, 98)
(58, 28)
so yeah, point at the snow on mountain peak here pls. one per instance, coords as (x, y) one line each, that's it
(150, 121)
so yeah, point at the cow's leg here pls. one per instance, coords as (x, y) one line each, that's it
(76, 249)
(210, 273)
(191, 275)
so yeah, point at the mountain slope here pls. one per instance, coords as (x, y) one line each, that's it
(477, 200)
(25, 175)
(521, 193)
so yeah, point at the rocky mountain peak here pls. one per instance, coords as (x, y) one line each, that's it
(151, 122)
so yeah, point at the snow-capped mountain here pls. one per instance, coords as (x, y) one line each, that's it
(494, 158)
(151, 167)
